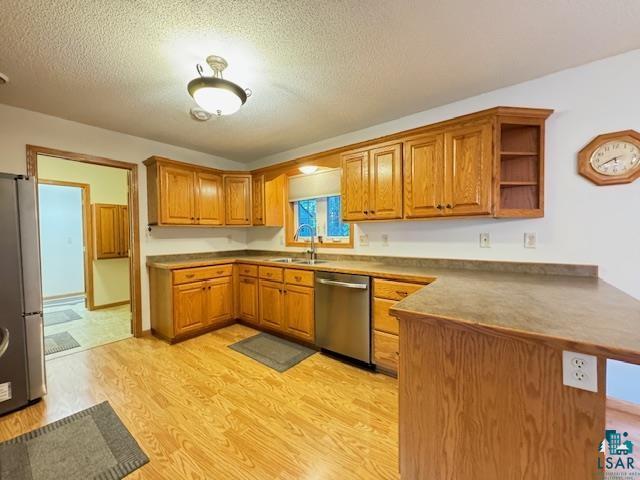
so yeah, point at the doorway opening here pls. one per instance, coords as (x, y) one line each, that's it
(89, 249)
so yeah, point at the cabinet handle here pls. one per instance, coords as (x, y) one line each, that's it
(298, 278)
(366, 212)
(439, 207)
(190, 275)
(402, 293)
(220, 272)
(372, 211)
(449, 205)
(268, 274)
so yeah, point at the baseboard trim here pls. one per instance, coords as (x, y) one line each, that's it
(111, 305)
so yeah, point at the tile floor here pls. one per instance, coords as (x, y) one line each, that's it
(95, 328)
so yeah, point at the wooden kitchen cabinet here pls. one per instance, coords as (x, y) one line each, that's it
(272, 304)
(178, 191)
(372, 183)
(299, 312)
(449, 173)
(189, 301)
(386, 293)
(189, 307)
(268, 200)
(286, 299)
(210, 199)
(237, 190)
(248, 299)
(110, 231)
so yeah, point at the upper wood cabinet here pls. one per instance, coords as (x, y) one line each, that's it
(449, 173)
(209, 199)
(372, 183)
(237, 189)
(268, 200)
(110, 231)
(178, 194)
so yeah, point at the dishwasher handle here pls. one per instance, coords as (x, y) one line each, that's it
(360, 286)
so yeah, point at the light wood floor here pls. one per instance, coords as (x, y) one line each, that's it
(203, 411)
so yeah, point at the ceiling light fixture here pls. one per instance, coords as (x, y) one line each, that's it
(308, 169)
(215, 94)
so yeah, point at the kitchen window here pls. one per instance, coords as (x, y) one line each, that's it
(314, 200)
(323, 215)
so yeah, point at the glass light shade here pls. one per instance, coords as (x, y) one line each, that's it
(218, 101)
(307, 169)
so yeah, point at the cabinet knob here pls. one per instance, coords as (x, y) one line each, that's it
(439, 207)
(365, 212)
(402, 293)
(190, 275)
(449, 205)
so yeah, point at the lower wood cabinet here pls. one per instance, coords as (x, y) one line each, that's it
(287, 305)
(386, 293)
(248, 299)
(186, 302)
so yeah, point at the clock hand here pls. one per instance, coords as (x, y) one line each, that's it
(608, 161)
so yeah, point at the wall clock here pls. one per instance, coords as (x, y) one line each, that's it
(611, 158)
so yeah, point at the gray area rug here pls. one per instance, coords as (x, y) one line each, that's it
(61, 316)
(273, 351)
(91, 444)
(59, 342)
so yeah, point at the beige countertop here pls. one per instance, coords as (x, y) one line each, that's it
(581, 313)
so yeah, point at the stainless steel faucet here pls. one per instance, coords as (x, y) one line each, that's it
(313, 254)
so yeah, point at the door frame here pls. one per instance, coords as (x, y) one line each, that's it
(134, 217)
(86, 234)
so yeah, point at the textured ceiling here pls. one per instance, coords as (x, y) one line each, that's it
(317, 69)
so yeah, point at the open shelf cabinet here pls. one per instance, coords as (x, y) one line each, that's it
(519, 191)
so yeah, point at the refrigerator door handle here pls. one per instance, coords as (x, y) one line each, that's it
(34, 332)
(4, 343)
(30, 244)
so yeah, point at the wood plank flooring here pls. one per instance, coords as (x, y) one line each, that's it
(203, 411)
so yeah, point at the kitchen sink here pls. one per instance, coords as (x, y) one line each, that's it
(282, 260)
(310, 262)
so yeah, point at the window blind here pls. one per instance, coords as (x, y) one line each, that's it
(325, 183)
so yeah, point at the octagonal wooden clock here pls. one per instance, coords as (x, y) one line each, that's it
(611, 158)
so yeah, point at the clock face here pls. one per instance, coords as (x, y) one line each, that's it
(615, 158)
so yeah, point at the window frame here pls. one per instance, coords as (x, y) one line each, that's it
(290, 226)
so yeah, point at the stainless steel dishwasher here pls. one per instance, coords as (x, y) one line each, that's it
(342, 310)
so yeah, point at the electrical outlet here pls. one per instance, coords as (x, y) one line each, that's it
(485, 240)
(385, 240)
(364, 240)
(580, 371)
(529, 240)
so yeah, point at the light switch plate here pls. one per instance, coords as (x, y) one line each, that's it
(385, 240)
(485, 240)
(529, 240)
(580, 371)
(364, 240)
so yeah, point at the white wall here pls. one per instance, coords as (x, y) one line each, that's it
(583, 223)
(20, 127)
(61, 242)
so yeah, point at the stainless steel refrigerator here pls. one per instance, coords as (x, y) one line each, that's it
(22, 374)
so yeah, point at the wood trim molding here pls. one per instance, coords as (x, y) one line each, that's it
(32, 153)
(112, 305)
(87, 230)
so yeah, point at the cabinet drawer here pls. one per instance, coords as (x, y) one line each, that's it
(382, 320)
(271, 273)
(386, 351)
(248, 270)
(187, 275)
(393, 290)
(298, 277)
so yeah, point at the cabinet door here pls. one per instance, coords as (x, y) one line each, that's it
(248, 299)
(271, 305)
(424, 177)
(123, 212)
(298, 312)
(106, 226)
(189, 307)
(355, 186)
(209, 199)
(385, 182)
(237, 191)
(257, 192)
(177, 195)
(219, 292)
(468, 173)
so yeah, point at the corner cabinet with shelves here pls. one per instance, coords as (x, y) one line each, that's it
(488, 163)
